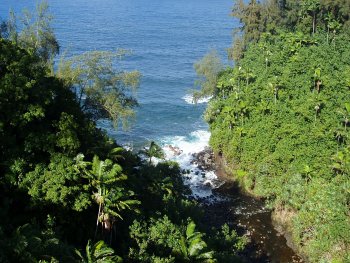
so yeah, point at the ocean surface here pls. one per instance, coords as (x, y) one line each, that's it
(166, 38)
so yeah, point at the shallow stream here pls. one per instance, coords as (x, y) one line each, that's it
(249, 216)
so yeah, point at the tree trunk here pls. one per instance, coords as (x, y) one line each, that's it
(327, 34)
(315, 119)
(318, 85)
(338, 139)
(98, 215)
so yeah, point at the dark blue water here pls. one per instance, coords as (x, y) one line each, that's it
(166, 38)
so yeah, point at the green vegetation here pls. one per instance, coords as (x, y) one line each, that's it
(102, 90)
(154, 150)
(68, 192)
(99, 252)
(207, 70)
(280, 117)
(36, 35)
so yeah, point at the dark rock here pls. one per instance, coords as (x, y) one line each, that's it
(204, 160)
(174, 149)
(207, 183)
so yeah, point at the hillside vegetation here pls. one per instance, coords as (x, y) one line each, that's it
(281, 117)
(68, 192)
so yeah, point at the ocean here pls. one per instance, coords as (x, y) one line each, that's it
(166, 38)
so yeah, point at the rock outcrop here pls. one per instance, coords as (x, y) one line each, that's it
(205, 160)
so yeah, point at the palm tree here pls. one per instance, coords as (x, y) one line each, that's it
(240, 131)
(193, 247)
(317, 111)
(116, 153)
(265, 48)
(263, 106)
(341, 164)
(340, 135)
(154, 150)
(274, 89)
(307, 172)
(274, 86)
(105, 177)
(346, 115)
(243, 110)
(317, 79)
(332, 26)
(319, 104)
(230, 117)
(248, 75)
(226, 84)
(111, 198)
(100, 178)
(268, 53)
(311, 7)
(98, 253)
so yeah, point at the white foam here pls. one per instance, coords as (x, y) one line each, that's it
(181, 150)
(128, 147)
(189, 99)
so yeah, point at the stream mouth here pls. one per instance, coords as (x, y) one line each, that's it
(249, 216)
(224, 202)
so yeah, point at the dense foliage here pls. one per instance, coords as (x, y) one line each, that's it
(68, 192)
(280, 117)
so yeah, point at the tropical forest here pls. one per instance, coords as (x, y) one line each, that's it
(263, 176)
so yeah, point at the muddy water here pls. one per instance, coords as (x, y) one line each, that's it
(249, 216)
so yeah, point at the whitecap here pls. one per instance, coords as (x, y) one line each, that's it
(128, 147)
(181, 149)
(189, 99)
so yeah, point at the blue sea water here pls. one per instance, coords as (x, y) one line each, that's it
(166, 38)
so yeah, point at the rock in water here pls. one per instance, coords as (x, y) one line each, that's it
(205, 160)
